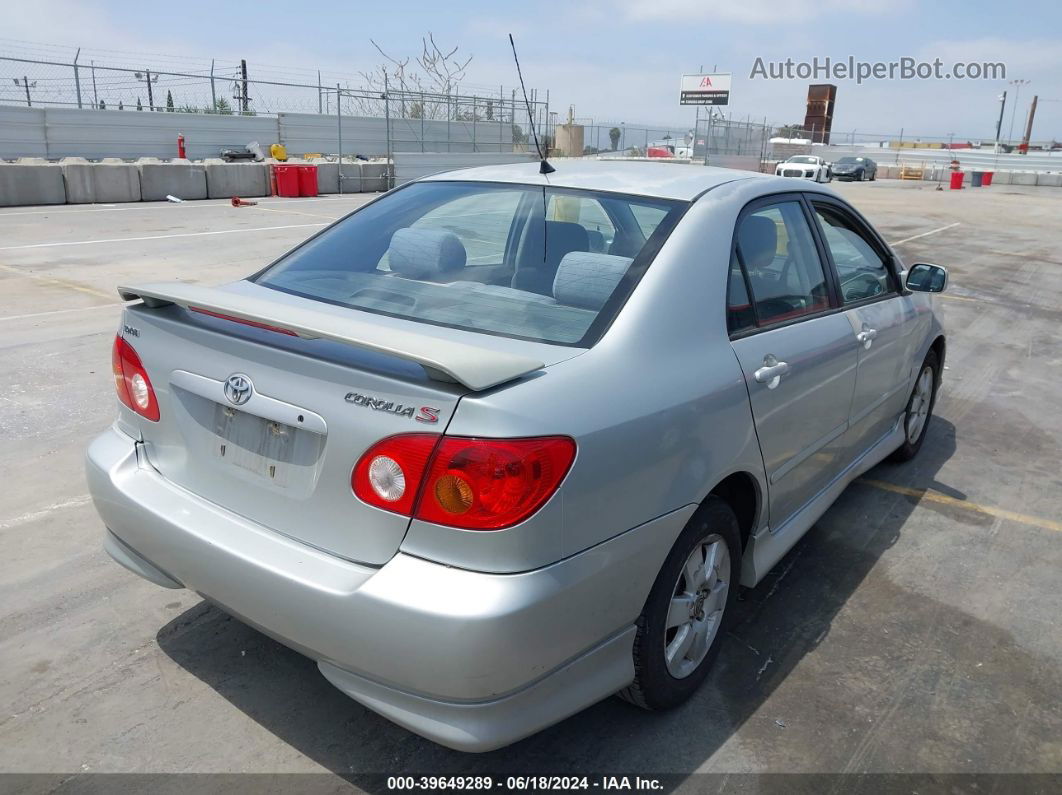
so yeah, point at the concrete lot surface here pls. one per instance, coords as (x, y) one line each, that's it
(916, 628)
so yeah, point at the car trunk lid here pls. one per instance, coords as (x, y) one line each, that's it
(269, 425)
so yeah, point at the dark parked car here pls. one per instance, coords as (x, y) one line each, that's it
(857, 168)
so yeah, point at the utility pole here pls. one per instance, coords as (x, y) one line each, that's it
(95, 99)
(999, 123)
(77, 77)
(244, 99)
(149, 78)
(25, 83)
(1024, 148)
(1017, 93)
(213, 91)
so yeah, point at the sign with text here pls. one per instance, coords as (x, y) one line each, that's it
(705, 89)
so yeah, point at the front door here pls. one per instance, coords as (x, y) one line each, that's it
(798, 354)
(881, 321)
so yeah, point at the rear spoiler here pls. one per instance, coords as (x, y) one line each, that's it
(475, 367)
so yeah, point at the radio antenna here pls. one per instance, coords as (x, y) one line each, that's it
(543, 167)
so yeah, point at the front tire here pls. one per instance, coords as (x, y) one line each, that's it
(685, 617)
(919, 409)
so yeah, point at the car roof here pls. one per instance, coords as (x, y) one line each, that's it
(658, 180)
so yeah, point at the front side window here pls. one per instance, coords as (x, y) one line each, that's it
(863, 273)
(782, 266)
(514, 260)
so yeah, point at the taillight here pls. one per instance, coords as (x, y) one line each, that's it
(488, 484)
(470, 483)
(131, 381)
(389, 473)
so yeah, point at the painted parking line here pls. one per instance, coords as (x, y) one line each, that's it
(15, 521)
(81, 288)
(924, 234)
(158, 237)
(944, 499)
(170, 207)
(61, 311)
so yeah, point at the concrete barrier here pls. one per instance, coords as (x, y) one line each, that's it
(180, 178)
(236, 179)
(22, 184)
(327, 176)
(375, 177)
(1001, 178)
(1023, 178)
(1049, 180)
(94, 183)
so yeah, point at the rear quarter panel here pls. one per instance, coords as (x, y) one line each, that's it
(658, 408)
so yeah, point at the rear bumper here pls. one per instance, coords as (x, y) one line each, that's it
(471, 660)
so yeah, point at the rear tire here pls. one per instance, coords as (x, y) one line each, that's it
(700, 575)
(919, 409)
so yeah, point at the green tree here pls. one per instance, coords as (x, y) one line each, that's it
(614, 136)
(790, 131)
(519, 136)
(139, 104)
(103, 105)
(120, 105)
(169, 101)
(188, 109)
(221, 107)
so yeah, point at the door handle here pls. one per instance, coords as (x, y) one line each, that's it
(867, 336)
(772, 371)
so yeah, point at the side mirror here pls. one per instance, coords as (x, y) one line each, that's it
(926, 278)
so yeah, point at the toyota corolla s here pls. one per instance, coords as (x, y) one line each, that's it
(498, 445)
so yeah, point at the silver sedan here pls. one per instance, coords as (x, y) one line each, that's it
(499, 445)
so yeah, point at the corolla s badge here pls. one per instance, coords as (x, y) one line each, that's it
(426, 414)
(238, 389)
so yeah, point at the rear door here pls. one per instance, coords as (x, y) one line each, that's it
(881, 319)
(798, 354)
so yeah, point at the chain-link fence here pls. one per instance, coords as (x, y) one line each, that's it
(455, 119)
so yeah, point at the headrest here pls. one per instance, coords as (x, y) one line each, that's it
(425, 253)
(758, 241)
(587, 279)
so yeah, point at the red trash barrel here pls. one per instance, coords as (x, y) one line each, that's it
(307, 180)
(956, 180)
(287, 180)
(986, 180)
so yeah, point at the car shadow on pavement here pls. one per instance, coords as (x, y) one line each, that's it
(777, 625)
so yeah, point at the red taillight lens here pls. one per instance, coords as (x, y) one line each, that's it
(488, 484)
(473, 484)
(389, 473)
(131, 381)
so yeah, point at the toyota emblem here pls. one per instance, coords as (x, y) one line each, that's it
(238, 389)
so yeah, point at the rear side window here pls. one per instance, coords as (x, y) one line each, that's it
(863, 273)
(781, 267)
(543, 264)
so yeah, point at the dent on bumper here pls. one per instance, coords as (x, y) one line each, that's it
(470, 659)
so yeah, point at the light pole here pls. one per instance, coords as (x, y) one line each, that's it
(149, 79)
(1017, 92)
(25, 83)
(999, 123)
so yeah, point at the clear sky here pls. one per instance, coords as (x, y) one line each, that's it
(619, 60)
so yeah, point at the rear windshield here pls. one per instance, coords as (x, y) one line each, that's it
(543, 264)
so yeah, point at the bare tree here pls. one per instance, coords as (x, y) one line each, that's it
(421, 87)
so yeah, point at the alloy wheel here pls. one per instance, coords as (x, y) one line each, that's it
(697, 604)
(921, 400)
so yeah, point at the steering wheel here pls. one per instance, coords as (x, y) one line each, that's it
(860, 286)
